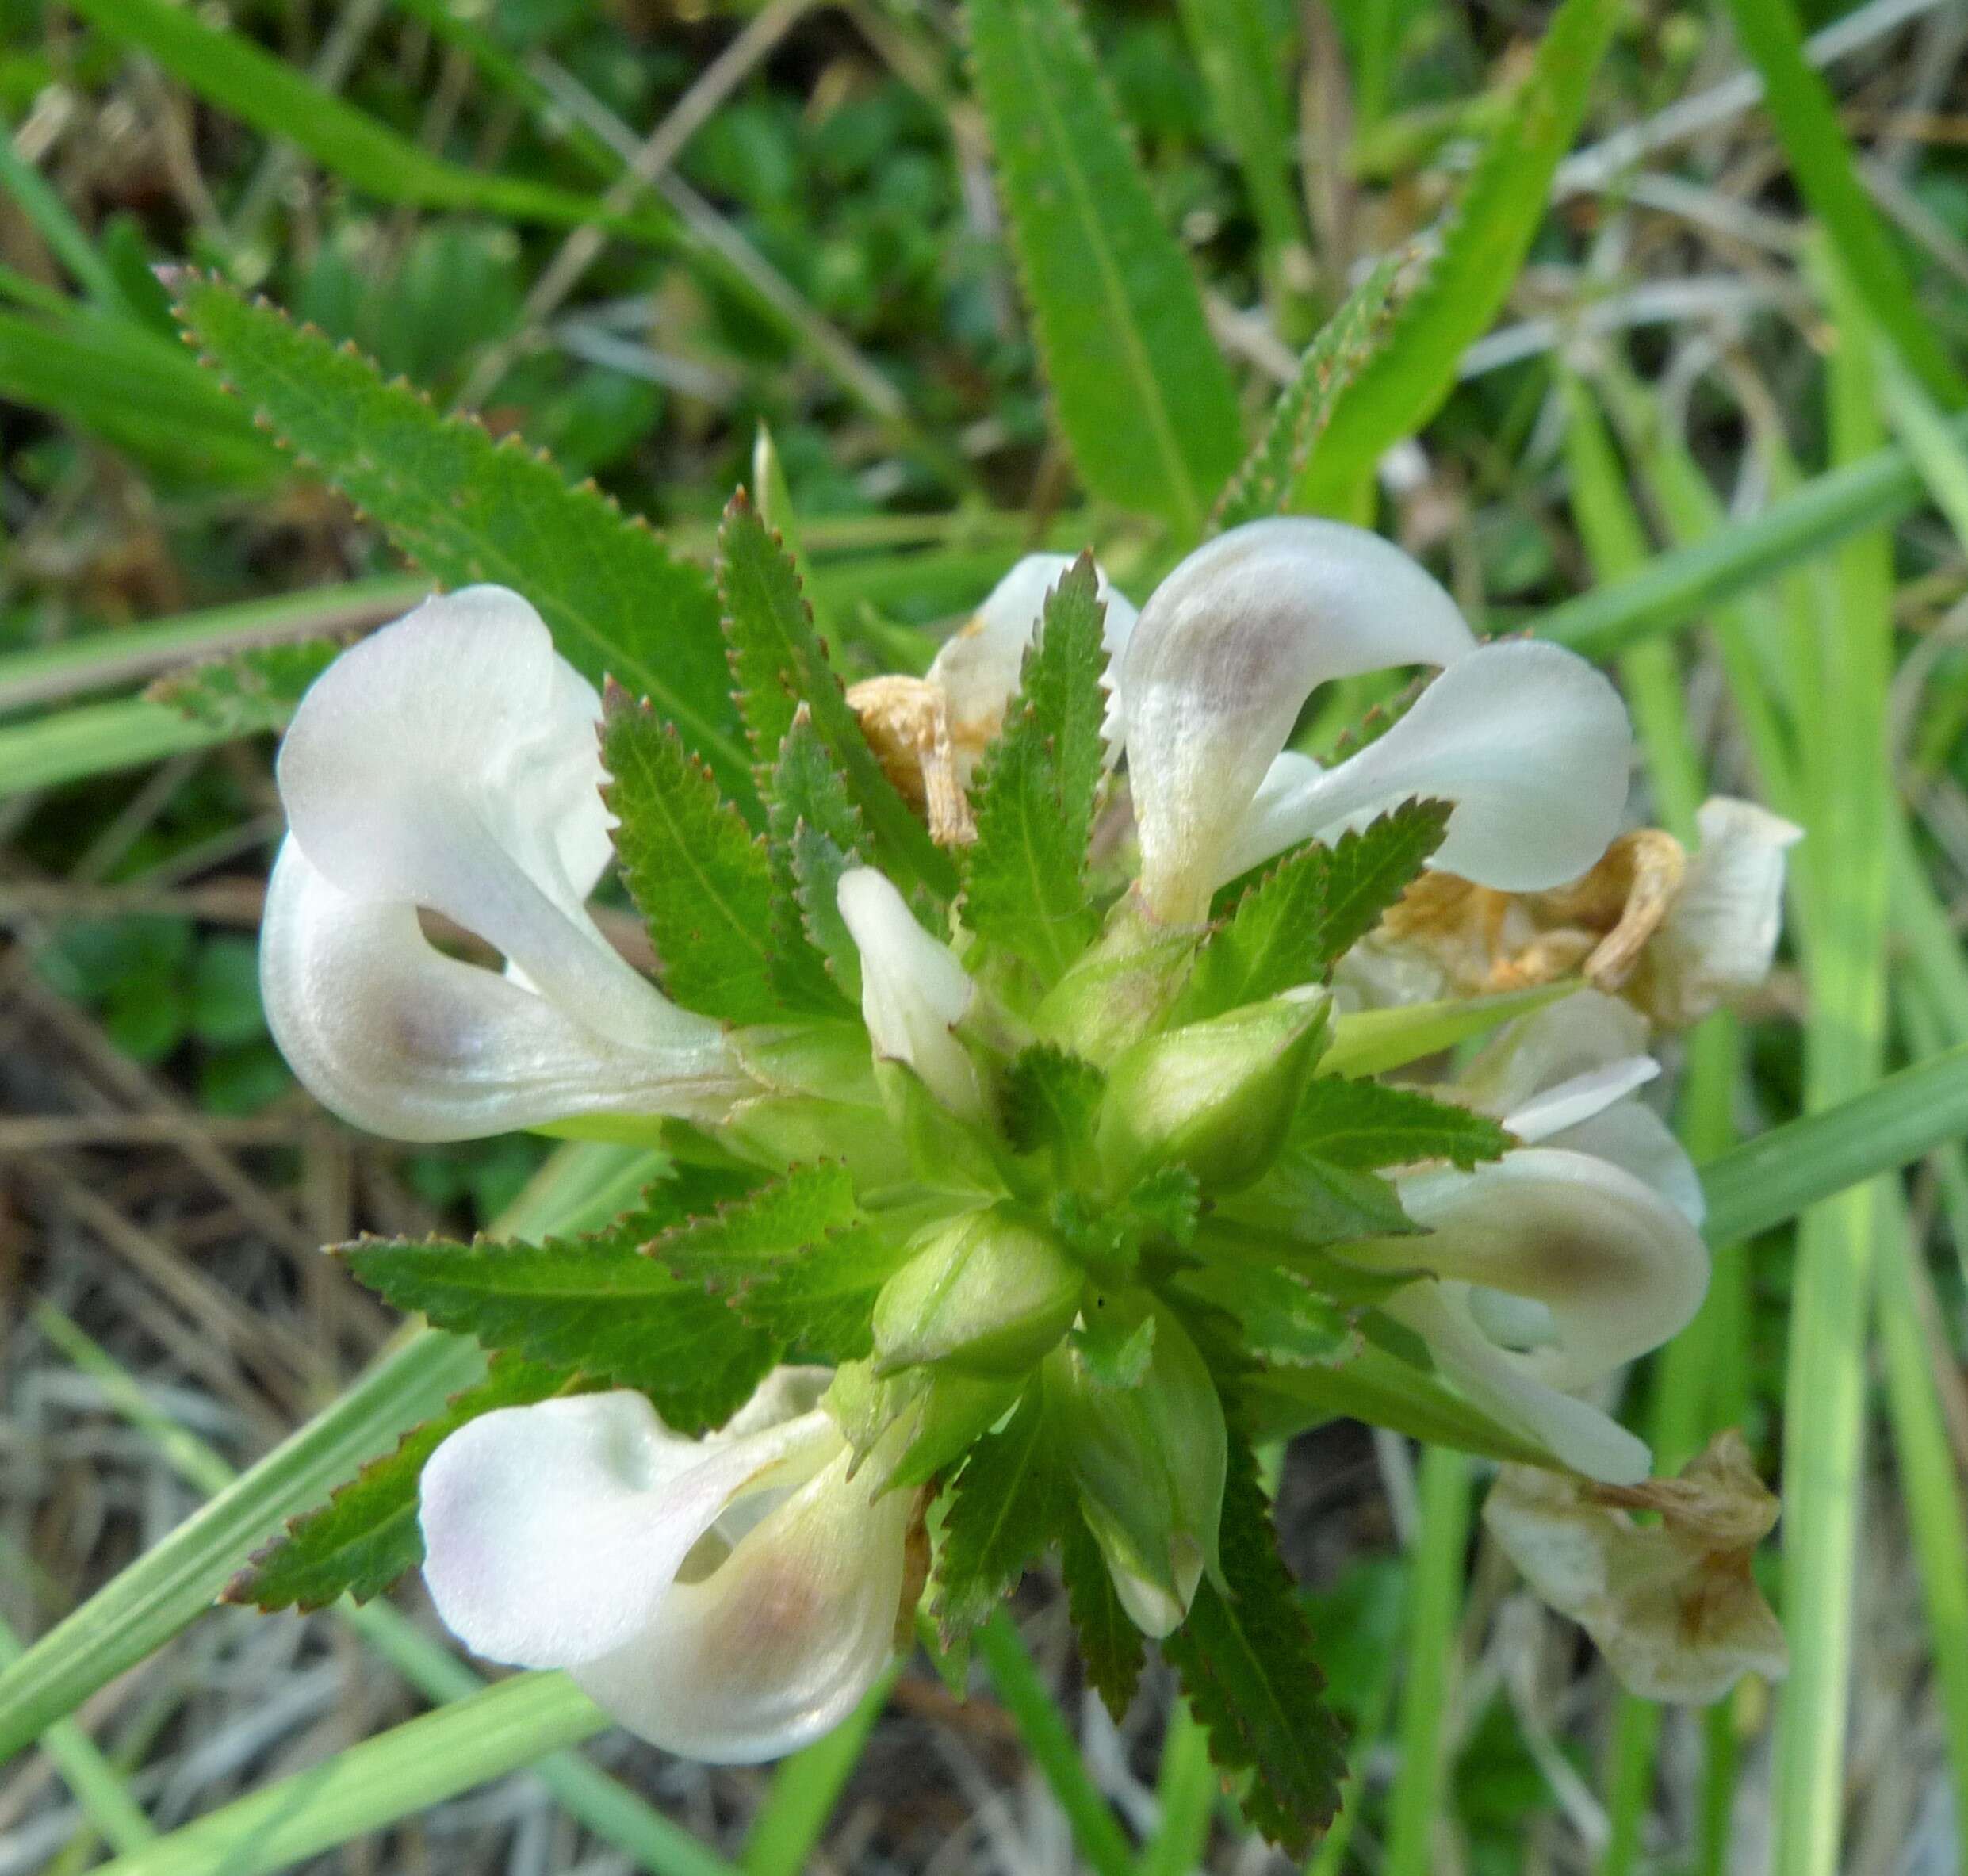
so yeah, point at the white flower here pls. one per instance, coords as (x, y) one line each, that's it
(729, 1598)
(977, 669)
(449, 763)
(1531, 745)
(913, 991)
(1673, 1606)
(1557, 1265)
(1720, 933)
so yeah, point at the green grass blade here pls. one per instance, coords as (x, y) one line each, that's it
(178, 1579)
(100, 660)
(1801, 105)
(229, 71)
(397, 1774)
(1144, 398)
(1483, 241)
(1415, 1805)
(95, 739)
(1096, 1832)
(40, 202)
(806, 1789)
(1844, 893)
(1186, 1793)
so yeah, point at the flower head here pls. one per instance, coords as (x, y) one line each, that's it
(730, 1597)
(1530, 744)
(449, 763)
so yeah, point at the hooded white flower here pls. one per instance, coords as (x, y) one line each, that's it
(1720, 933)
(913, 991)
(449, 763)
(1557, 1265)
(1530, 743)
(730, 1599)
(977, 669)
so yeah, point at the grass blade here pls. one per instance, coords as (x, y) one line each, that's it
(806, 1789)
(1144, 397)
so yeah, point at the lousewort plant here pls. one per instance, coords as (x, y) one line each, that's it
(1064, 1086)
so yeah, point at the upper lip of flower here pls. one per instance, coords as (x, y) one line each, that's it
(450, 762)
(1530, 743)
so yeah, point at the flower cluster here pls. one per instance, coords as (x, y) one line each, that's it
(1094, 1189)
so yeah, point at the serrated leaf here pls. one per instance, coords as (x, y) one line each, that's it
(1268, 481)
(1362, 1126)
(821, 1303)
(1167, 1202)
(1282, 1318)
(1111, 1647)
(816, 834)
(779, 663)
(1479, 248)
(1249, 1667)
(1305, 1205)
(247, 691)
(1295, 922)
(596, 1303)
(1024, 877)
(1143, 396)
(1005, 1506)
(367, 1536)
(1051, 1097)
(697, 874)
(467, 509)
(752, 1238)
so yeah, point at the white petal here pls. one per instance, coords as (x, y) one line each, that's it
(1620, 1268)
(1501, 1382)
(1228, 648)
(1548, 1115)
(387, 1031)
(1531, 744)
(1633, 1137)
(978, 669)
(913, 991)
(553, 1533)
(1581, 1033)
(1721, 932)
(776, 1646)
(451, 761)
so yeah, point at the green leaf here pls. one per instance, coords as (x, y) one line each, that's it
(1025, 876)
(1271, 474)
(779, 663)
(1113, 1353)
(1051, 1097)
(1005, 1506)
(753, 1234)
(1362, 1126)
(1111, 1648)
(1143, 396)
(597, 1304)
(697, 873)
(1300, 919)
(1307, 1205)
(1247, 1664)
(1482, 244)
(366, 1535)
(247, 691)
(815, 833)
(467, 509)
(1167, 1202)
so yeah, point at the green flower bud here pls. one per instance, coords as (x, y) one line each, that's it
(1148, 1461)
(988, 1294)
(1120, 988)
(1216, 1097)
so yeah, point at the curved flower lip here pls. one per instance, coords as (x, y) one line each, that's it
(450, 762)
(730, 1597)
(913, 990)
(1227, 649)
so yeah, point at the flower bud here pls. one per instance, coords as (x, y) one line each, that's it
(1149, 1462)
(988, 1294)
(1216, 1097)
(1120, 988)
